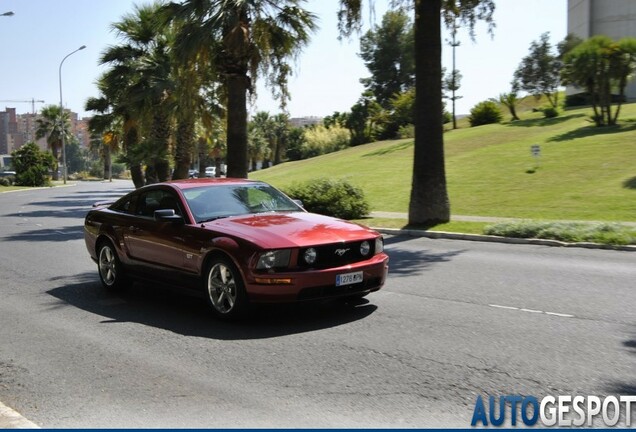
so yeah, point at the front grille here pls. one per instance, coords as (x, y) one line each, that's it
(336, 255)
(319, 292)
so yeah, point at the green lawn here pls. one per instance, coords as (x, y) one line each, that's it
(583, 173)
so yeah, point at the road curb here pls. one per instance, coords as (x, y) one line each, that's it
(10, 419)
(498, 239)
(28, 189)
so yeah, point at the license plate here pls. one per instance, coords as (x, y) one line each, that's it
(349, 278)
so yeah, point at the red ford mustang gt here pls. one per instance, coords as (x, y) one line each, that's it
(237, 241)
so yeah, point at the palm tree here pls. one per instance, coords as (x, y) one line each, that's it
(138, 85)
(429, 204)
(510, 101)
(113, 85)
(106, 131)
(281, 132)
(53, 124)
(248, 37)
(195, 97)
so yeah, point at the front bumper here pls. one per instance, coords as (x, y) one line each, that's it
(311, 284)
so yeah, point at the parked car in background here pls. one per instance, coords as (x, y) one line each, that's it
(210, 171)
(235, 241)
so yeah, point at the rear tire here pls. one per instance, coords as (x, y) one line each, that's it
(111, 272)
(224, 289)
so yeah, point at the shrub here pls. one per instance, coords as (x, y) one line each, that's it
(32, 165)
(578, 99)
(550, 112)
(118, 169)
(320, 140)
(5, 181)
(337, 198)
(406, 131)
(486, 112)
(604, 233)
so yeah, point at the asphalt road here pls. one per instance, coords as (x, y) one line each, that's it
(455, 320)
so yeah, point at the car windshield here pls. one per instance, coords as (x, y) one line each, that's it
(218, 201)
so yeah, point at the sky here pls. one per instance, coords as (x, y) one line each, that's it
(326, 74)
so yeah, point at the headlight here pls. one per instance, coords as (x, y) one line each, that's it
(365, 248)
(274, 259)
(310, 256)
(379, 245)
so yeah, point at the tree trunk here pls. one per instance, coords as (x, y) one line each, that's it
(131, 141)
(280, 147)
(203, 155)
(429, 203)
(513, 112)
(107, 162)
(621, 97)
(137, 175)
(237, 160)
(160, 139)
(217, 165)
(183, 151)
(56, 156)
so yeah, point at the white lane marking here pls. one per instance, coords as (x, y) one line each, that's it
(557, 314)
(560, 314)
(504, 307)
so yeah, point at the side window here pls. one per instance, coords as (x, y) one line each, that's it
(156, 200)
(148, 203)
(124, 205)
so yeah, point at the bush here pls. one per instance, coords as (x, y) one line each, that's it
(5, 181)
(604, 233)
(406, 131)
(486, 112)
(579, 99)
(337, 198)
(550, 112)
(32, 165)
(319, 140)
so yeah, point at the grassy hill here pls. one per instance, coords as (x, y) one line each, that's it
(583, 173)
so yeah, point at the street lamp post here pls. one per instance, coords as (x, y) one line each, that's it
(62, 112)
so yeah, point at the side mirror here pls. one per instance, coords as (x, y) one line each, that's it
(168, 215)
(299, 203)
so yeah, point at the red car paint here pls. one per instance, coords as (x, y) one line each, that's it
(179, 250)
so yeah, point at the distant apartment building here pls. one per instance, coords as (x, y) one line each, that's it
(305, 121)
(19, 129)
(613, 18)
(10, 138)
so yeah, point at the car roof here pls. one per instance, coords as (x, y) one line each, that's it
(198, 182)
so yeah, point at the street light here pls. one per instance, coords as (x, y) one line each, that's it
(62, 112)
(10, 13)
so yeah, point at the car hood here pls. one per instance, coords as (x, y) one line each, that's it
(285, 230)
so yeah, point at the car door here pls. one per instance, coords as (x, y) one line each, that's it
(153, 242)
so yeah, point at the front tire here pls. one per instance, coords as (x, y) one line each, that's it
(111, 272)
(224, 289)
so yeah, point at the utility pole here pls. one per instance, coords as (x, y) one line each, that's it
(454, 84)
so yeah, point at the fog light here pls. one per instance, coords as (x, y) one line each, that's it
(365, 248)
(310, 256)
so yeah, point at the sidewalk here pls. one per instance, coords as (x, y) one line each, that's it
(461, 218)
(10, 419)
